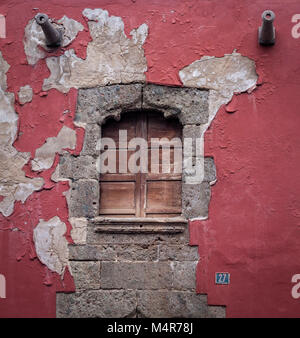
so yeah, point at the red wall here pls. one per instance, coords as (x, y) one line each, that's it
(254, 216)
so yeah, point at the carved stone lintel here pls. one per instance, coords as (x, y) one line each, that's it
(139, 225)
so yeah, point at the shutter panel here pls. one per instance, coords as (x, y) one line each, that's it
(152, 194)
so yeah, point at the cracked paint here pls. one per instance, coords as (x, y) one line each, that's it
(45, 155)
(14, 185)
(111, 56)
(253, 228)
(51, 245)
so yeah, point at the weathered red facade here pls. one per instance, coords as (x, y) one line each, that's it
(252, 230)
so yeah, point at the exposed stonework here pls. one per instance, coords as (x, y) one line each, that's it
(34, 38)
(111, 56)
(51, 245)
(44, 156)
(136, 274)
(96, 304)
(141, 304)
(190, 105)
(96, 105)
(195, 200)
(14, 185)
(25, 94)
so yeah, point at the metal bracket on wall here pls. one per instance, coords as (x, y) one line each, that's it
(53, 35)
(266, 33)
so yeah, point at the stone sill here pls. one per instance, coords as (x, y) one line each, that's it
(139, 225)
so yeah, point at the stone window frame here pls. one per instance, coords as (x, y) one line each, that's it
(94, 106)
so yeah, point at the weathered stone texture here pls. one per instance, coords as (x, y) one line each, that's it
(136, 275)
(168, 304)
(78, 167)
(94, 105)
(94, 238)
(86, 275)
(178, 252)
(92, 253)
(184, 275)
(142, 274)
(137, 252)
(91, 140)
(84, 198)
(190, 105)
(195, 200)
(96, 303)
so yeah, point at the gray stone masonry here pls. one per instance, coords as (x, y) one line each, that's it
(134, 274)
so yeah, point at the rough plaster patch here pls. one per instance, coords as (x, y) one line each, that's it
(14, 185)
(25, 94)
(224, 76)
(44, 156)
(51, 245)
(34, 37)
(79, 230)
(111, 56)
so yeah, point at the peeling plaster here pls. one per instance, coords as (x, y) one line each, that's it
(224, 76)
(14, 185)
(51, 245)
(45, 155)
(111, 56)
(79, 230)
(25, 94)
(34, 38)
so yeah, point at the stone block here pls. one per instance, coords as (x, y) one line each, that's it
(171, 304)
(84, 198)
(87, 103)
(143, 252)
(120, 96)
(96, 304)
(183, 253)
(86, 275)
(184, 275)
(94, 105)
(92, 253)
(195, 200)
(77, 167)
(189, 104)
(216, 311)
(92, 135)
(136, 275)
(205, 170)
(95, 238)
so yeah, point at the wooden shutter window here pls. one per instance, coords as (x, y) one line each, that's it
(142, 194)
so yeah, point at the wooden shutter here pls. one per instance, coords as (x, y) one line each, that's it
(142, 194)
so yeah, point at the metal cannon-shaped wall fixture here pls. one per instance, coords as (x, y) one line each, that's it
(266, 33)
(53, 35)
